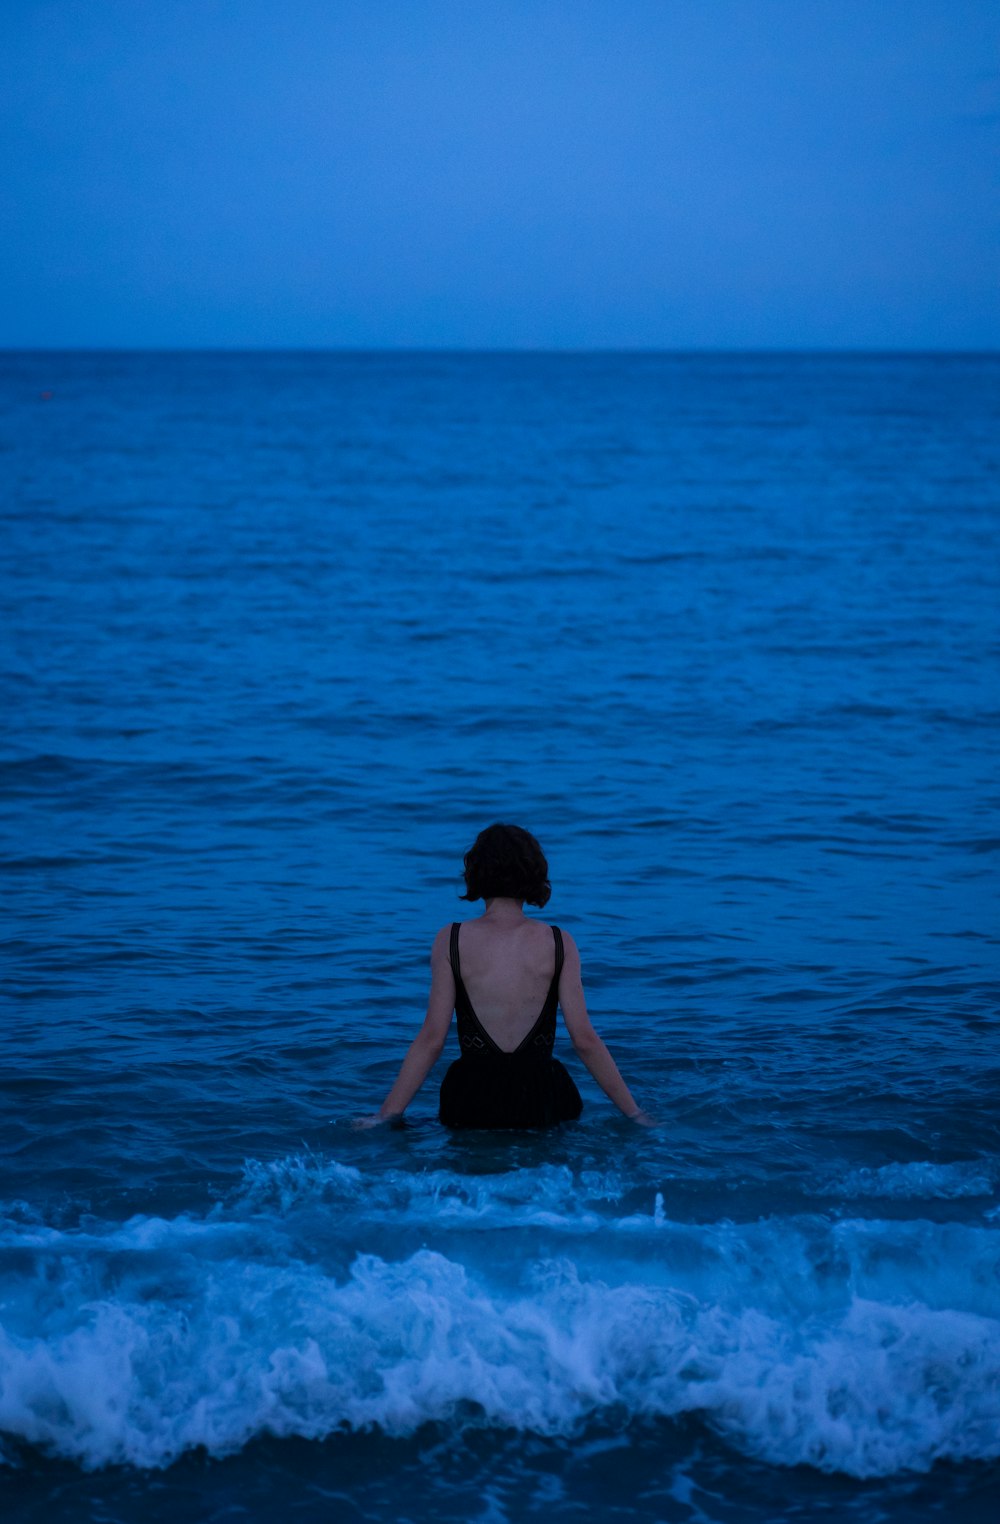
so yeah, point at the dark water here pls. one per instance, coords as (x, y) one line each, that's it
(280, 634)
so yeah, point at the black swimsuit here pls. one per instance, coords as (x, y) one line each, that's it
(489, 1087)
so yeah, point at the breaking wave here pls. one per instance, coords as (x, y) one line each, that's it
(547, 1302)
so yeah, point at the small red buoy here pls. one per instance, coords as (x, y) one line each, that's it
(45, 396)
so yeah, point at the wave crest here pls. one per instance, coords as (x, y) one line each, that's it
(862, 1347)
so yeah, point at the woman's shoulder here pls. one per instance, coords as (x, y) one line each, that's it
(567, 937)
(441, 946)
(569, 963)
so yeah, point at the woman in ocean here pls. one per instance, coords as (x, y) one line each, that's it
(504, 974)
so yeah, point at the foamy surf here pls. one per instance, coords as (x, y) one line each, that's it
(862, 1347)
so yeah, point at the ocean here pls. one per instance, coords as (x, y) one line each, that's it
(281, 632)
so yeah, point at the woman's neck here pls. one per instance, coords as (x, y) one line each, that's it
(502, 909)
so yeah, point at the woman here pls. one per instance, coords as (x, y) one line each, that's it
(504, 974)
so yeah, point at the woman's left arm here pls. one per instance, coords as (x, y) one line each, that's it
(425, 1049)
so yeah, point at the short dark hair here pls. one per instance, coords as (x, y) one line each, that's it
(505, 860)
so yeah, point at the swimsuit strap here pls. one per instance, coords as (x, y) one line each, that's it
(463, 1005)
(560, 955)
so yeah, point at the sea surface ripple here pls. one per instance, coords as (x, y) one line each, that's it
(280, 633)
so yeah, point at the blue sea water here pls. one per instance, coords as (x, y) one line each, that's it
(280, 633)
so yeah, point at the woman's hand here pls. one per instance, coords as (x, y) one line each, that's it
(376, 1120)
(643, 1119)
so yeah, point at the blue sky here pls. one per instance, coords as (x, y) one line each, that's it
(515, 174)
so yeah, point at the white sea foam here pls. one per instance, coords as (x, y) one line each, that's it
(863, 1347)
(922, 1179)
(550, 1196)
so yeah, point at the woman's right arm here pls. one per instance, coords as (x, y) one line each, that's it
(585, 1040)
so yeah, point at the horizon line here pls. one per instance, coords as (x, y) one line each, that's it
(519, 352)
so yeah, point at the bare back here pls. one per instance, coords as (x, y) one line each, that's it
(507, 970)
